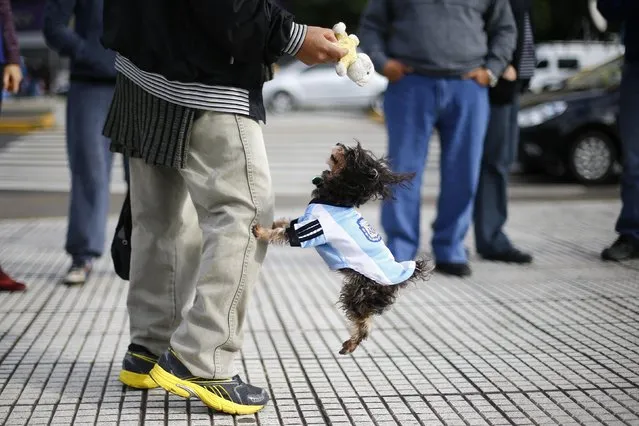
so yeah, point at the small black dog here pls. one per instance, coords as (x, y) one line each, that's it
(346, 242)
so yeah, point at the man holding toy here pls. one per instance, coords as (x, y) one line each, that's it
(440, 57)
(187, 103)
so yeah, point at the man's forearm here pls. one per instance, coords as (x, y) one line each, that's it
(502, 37)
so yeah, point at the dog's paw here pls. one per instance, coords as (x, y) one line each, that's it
(258, 231)
(348, 347)
(281, 223)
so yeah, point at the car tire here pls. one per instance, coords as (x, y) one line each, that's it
(281, 103)
(592, 157)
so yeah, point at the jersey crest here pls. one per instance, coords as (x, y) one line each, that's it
(369, 232)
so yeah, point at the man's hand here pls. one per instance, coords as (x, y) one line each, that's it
(395, 70)
(510, 74)
(319, 47)
(12, 78)
(480, 75)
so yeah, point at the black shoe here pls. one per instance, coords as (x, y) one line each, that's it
(511, 256)
(624, 248)
(231, 396)
(136, 366)
(456, 269)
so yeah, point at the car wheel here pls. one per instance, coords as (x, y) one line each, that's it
(592, 157)
(281, 102)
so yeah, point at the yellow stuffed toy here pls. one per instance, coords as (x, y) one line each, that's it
(358, 66)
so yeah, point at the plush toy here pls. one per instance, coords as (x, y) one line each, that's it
(358, 66)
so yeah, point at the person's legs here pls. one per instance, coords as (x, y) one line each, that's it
(410, 107)
(228, 178)
(627, 226)
(166, 245)
(6, 282)
(491, 201)
(90, 166)
(462, 126)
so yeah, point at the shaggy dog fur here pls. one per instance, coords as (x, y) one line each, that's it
(355, 177)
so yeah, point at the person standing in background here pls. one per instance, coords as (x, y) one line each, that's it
(500, 146)
(440, 58)
(90, 93)
(627, 244)
(11, 78)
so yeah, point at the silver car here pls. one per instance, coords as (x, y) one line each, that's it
(298, 86)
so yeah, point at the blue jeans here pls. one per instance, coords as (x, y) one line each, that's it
(459, 109)
(491, 201)
(628, 222)
(90, 164)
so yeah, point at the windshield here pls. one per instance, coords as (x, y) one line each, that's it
(602, 76)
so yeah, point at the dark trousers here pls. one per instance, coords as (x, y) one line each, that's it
(491, 201)
(628, 221)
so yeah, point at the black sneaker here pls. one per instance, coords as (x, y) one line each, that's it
(624, 248)
(231, 396)
(136, 365)
(456, 269)
(511, 256)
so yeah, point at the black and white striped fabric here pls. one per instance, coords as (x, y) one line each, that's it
(528, 61)
(141, 125)
(151, 117)
(196, 95)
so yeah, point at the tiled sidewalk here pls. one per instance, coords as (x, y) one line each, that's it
(553, 343)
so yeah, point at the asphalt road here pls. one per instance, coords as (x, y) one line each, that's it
(34, 177)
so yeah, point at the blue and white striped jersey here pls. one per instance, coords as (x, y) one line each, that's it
(344, 239)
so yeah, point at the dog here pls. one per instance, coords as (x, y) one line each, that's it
(346, 242)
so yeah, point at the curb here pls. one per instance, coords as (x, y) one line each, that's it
(376, 117)
(26, 124)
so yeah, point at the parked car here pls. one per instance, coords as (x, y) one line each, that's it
(298, 86)
(572, 130)
(557, 61)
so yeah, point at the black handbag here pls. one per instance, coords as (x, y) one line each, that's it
(121, 244)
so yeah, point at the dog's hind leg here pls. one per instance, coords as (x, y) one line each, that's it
(361, 328)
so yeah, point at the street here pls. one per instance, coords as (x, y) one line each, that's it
(554, 342)
(34, 178)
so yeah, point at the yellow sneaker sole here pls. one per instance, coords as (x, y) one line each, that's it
(137, 380)
(187, 389)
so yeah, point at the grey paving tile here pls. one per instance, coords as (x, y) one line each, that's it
(551, 343)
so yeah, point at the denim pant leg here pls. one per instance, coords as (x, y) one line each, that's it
(410, 112)
(491, 201)
(462, 126)
(90, 165)
(628, 222)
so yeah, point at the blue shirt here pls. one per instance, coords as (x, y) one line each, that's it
(344, 239)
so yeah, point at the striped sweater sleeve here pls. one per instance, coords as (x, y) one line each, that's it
(298, 34)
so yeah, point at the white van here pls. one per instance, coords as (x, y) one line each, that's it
(557, 61)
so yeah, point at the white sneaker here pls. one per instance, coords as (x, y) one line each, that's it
(78, 273)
